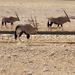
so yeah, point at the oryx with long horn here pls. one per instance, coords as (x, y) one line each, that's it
(28, 29)
(59, 20)
(10, 19)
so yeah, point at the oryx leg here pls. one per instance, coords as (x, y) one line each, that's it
(62, 27)
(58, 25)
(6, 25)
(2, 24)
(11, 25)
(28, 36)
(49, 25)
(20, 35)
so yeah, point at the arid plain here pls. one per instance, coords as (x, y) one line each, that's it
(43, 54)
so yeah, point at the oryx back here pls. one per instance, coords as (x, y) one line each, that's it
(28, 29)
(60, 20)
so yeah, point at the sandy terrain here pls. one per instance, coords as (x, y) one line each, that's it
(51, 59)
(42, 57)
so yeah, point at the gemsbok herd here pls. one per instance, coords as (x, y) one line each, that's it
(32, 28)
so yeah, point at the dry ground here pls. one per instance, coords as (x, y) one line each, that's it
(37, 58)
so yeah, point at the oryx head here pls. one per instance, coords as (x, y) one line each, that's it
(66, 15)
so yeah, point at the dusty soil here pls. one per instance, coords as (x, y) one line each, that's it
(37, 57)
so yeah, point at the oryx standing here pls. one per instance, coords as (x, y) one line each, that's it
(58, 21)
(28, 29)
(10, 19)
